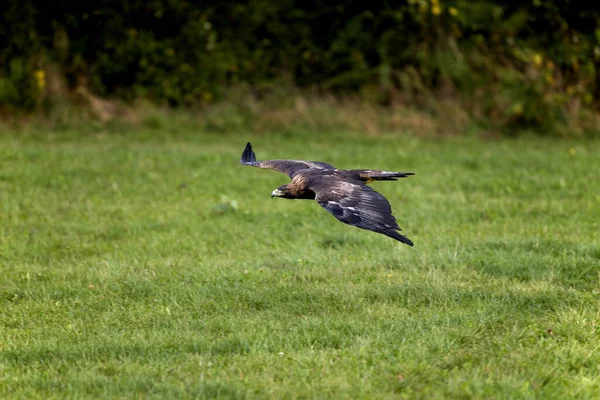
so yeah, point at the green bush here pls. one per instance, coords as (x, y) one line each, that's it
(528, 63)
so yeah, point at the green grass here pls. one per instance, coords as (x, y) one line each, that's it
(152, 265)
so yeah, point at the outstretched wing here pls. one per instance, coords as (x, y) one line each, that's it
(358, 205)
(288, 167)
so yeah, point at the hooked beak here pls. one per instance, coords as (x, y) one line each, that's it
(276, 193)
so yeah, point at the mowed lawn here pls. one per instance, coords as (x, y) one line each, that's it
(152, 265)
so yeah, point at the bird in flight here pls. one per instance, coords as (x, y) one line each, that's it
(343, 193)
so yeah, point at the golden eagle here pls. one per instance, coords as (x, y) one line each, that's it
(343, 193)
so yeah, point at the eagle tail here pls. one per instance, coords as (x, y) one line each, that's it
(248, 156)
(371, 175)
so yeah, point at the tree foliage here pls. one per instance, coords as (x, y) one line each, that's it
(517, 60)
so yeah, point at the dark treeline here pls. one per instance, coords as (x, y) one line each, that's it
(511, 60)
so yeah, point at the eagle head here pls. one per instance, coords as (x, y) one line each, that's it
(283, 191)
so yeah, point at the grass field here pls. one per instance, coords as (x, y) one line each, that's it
(135, 265)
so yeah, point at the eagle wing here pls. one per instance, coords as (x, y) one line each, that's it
(288, 167)
(357, 204)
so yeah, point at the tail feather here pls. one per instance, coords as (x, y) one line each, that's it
(248, 156)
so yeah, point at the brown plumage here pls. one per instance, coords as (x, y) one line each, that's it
(343, 193)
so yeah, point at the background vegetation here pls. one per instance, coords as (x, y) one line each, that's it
(506, 64)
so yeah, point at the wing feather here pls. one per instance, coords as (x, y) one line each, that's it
(291, 167)
(288, 167)
(356, 204)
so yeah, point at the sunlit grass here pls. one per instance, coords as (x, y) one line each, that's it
(134, 265)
